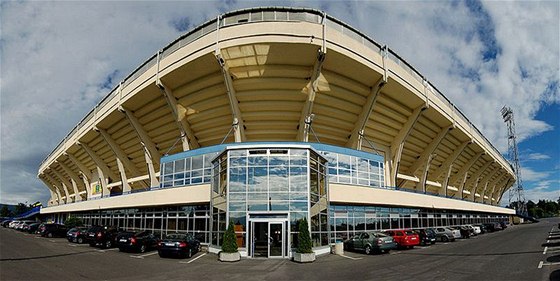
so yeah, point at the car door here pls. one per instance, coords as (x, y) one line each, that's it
(364, 238)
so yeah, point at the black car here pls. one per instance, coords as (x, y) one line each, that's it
(6, 222)
(178, 244)
(137, 241)
(33, 228)
(104, 236)
(427, 236)
(77, 235)
(53, 230)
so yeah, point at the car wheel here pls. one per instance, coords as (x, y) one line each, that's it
(189, 253)
(410, 247)
(161, 255)
(368, 250)
(49, 235)
(386, 251)
(108, 244)
(80, 240)
(444, 239)
(143, 249)
(92, 244)
(121, 249)
(199, 248)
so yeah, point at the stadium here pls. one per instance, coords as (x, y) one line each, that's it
(266, 116)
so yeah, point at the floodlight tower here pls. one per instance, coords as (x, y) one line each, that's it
(515, 192)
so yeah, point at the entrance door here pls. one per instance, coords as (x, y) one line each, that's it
(276, 240)
(268, 239)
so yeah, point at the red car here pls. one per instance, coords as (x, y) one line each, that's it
(404, 238)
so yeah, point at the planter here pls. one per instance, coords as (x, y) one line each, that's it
(304, 258)
(230, 257)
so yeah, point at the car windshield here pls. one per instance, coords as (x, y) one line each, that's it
(176, 236)
(409, 232)
(380, 235)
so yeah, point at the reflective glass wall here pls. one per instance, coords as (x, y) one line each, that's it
(281, 180)
(346, 221)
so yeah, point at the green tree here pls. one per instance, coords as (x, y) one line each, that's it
(21, 208)
(304, 239)
(72, 222)
(229, 244)
(5, 212)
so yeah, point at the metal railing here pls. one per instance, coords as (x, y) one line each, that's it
(264, 14)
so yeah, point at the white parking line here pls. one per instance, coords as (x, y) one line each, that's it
(142, 256)
(103, 251)
(193, 259)
(544, 252)
(350, 257)
(547, 264)
(540, 264)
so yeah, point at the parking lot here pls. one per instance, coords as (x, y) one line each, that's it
(525, 252)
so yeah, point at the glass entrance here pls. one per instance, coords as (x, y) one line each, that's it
(268, 239)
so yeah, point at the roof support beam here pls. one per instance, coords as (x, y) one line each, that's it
(312, 89)
(123, 162)
(151, 153)
(63, 182)
(73, 176)
(446, 181)
(428, 152)
(488, 193)
(102, 170)
(355, 139)
(475, 177)
(188, 138)
(465, 168)
(239, 130)
(85, 171)
(54, 195)
(501, 190)
(485, 182)
(449, 161)
(57, 189)
(398, 143)
(424, 177)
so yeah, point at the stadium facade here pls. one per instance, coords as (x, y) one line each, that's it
(266, 116)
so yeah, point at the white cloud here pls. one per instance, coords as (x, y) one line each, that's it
(57, 56)
(537, 156)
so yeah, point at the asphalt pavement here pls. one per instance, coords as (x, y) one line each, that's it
(522, 252)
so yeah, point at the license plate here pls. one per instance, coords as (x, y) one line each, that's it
(169, 244)
(413, 238)
(91, 235)
(122, 240)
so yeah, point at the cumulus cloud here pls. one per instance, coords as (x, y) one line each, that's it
(60, 58)
(537, 156)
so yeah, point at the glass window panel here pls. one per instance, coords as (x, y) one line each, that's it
(179, 176)
(197, 162)
(278, 160)
(298, 196)
(278, 179)
(257, 196)
(257, 206)
(180, 165)
(168, 168)
(280, 196)
(237, 206)
(298, 206)
(279, 205)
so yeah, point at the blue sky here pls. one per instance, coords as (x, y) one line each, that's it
(58, 59)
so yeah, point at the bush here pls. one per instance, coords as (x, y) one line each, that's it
(304, 239)
(72, 222)
(229, 244)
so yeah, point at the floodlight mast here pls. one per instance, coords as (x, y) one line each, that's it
(517, 191)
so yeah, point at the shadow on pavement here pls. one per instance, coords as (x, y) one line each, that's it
(469, 255)
(551, 244)
(553, 258)
(44, 257)
(555, 275)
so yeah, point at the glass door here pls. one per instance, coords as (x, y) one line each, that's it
(276, 240)
(259, 239)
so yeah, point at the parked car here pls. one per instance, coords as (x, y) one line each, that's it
(6, 222)
(137, 241)
(444, 234)
(178, 244)
(491, 227)
(404, 238)
(33, 228)
(104, 236)
(456, 231)
(76, 235)
(13, 224)
(52, 230)
(24, 226)
(427, 236)
(482, 228)
(370, 242)
(504, 224)
(477, 229)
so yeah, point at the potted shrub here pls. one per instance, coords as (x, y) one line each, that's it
(304, 252)
(229, 251)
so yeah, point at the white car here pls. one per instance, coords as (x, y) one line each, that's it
(476, 229)
(456, 232)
